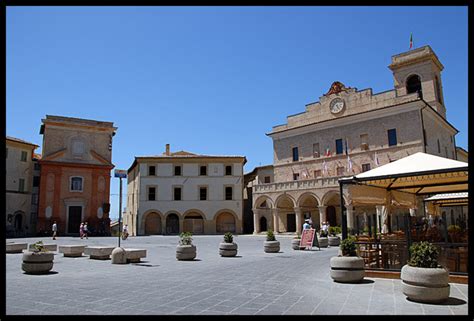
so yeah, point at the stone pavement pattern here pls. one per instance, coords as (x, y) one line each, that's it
(253, 283)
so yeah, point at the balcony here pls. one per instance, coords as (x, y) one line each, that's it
(297, 185)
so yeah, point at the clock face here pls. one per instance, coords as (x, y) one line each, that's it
(336, 105)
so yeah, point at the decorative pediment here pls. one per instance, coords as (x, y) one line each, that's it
(99, 157)
(336, 88)
(55, 154)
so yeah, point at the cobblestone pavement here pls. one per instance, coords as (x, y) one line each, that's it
(253, 283)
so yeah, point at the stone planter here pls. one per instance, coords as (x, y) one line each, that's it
(228, 249)
(347, 268)
(37, 262)
(323, 241)
(295, 244)
(49, 247)
(16, 247)
(334, 240)
(425, 284)
(271, 246)
(185, 252)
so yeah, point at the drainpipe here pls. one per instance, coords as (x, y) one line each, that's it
(423, 126)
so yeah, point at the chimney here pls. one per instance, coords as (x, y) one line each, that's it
(167, 153)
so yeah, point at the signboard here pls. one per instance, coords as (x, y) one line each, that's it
(121, 173)
(308, 238)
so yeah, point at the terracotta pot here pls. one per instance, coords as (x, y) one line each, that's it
(425, 284)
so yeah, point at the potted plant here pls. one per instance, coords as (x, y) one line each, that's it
(38, 261)
(348, 266)
(323, 239)
(333, 239)
(271, 245)
(423, 279)
(185, 251)
(295, 243)
(228, 247)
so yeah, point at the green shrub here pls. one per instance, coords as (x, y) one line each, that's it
(423, 254)
(185, 238)
(270, 236)
(348, 246)
(39, 247)
(334, 230)
(228, 237)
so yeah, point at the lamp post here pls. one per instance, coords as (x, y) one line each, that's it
(120, 173)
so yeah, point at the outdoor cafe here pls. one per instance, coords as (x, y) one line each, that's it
(432, 194)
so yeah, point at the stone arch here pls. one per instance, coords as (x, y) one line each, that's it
(172, 222)
(330, 194)
(285, 201)
(303, 199)
(193, 221)
(152, 222)
(261, 199)
(413, 84)
(226, 221)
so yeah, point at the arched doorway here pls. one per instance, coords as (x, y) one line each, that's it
(172, 224)
(414, 85)
(331, 215)
(263, 224)
(18, 223)
(225, 222)
(193, 223)
(153, 224)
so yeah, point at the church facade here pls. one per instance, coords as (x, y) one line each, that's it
(346, 132)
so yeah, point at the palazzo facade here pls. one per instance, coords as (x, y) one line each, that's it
(346, 132)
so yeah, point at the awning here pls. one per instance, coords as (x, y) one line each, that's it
(418, 174)
(449, 199)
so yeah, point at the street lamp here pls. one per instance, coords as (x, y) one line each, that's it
(120, 173)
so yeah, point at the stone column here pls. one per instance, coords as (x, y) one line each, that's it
(299, 226)
(379, 210)
(322, 214)
(256, 221)
(275, 212)
(350, 217)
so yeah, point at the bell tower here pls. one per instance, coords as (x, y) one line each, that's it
(419, 70)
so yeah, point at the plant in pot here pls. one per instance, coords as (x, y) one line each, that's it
(38, 261)
(348, 266)
(323, 239)
(228, 247)
(295, 243)
(271, 245)
(333, 239)
(423, 279)
(185, 251)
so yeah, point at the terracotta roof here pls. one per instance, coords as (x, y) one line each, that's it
(19, 140)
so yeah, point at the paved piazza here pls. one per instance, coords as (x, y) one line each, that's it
(254, 282)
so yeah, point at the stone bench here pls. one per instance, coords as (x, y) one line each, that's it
(99, 252)
(134, 255)
(72, 250)
(49, 247)
(16, 247)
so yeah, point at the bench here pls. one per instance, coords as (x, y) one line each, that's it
(99, 252)
(72, 250)
(49, 247)
(134, 255)
(16, 247)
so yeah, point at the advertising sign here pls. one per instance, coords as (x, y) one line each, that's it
(121, 173)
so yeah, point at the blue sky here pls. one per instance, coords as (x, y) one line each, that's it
(212, 80)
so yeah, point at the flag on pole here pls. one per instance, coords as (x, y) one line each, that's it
(411, 40)
(376, 159)
(328, 152)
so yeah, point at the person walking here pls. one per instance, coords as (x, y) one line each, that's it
(55, 230)
(125, 232)
(86, 231)
(81, 230)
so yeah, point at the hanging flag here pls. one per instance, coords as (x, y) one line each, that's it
(349, 163)
(328, 152)
(325, 168)
(411, 40)
(376, 159)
